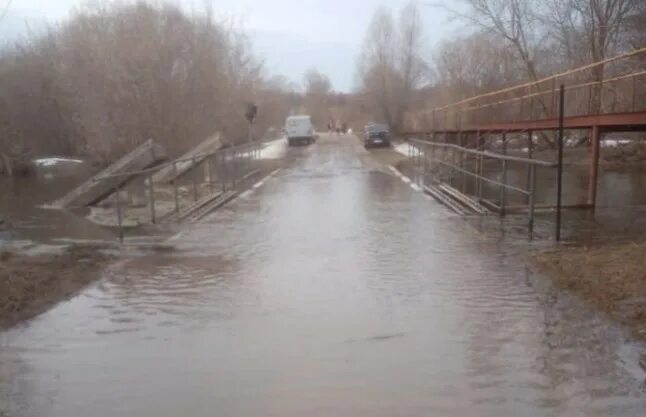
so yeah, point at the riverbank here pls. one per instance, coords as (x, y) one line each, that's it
(611, 277)
(30, 285)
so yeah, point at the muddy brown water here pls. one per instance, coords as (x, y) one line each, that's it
(332, 289)
(23, 201)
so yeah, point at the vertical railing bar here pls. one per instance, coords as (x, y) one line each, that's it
(559, 187)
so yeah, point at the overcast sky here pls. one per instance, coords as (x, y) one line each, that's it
(291, 35)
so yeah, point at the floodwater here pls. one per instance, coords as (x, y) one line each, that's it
(331, 289)
(23, 201)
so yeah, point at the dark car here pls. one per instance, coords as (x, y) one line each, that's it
(376, 134)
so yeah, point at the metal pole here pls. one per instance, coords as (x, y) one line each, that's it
(559, 186)
(151, 198)
(119, 215)
(175, 190)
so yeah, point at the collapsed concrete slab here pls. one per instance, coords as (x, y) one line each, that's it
(105, 182)
(189, 160)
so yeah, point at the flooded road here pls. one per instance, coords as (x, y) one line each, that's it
(330, 289)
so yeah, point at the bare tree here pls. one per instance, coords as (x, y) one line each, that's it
(590, 31)
(317, 93)
(412, 68)
(316, 83)
(391, 66)
(114, 75)
(515, 21)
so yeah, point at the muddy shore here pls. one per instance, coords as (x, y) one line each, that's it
(612, 278)
(30, 285)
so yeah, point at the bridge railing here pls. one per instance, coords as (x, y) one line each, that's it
(614, 85)
(224, 169)
(481, 174)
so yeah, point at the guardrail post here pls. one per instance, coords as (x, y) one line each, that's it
(151, 198)
(559, 185)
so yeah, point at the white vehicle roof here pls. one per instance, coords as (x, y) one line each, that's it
(299, 117)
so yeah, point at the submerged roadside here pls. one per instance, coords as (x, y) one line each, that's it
(36, 277)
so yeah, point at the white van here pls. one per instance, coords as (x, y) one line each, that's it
(299, 129)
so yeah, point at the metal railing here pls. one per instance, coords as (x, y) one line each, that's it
(613, 85)
(466, 170)
(229, 166)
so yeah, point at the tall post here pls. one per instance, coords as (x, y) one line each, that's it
(559, 185)
(151, 198)
(594, 166)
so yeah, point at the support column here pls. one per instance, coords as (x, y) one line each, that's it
(594, 166)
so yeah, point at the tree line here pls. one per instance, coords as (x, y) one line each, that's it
(506, 42)
(114, 75)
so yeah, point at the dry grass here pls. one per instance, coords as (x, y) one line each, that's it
(612, 278)
(29, 285)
